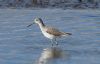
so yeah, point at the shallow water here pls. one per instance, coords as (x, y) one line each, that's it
(22, 45)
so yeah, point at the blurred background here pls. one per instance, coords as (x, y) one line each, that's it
(51, 3)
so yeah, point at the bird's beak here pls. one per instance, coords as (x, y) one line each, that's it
(30, 25)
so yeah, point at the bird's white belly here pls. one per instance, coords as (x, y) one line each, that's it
(48, 35)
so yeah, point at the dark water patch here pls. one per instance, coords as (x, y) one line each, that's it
(91, 16)
(66, 18)
(97, 22)
(88, 52)
(97, 33)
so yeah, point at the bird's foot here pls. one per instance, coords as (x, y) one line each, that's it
(57, 44)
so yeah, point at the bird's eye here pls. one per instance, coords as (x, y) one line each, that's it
(36, 20)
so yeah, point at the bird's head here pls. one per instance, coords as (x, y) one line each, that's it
(36, 21)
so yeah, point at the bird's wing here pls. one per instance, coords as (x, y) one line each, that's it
(53, 31)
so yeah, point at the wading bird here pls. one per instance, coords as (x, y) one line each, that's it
(49, 32)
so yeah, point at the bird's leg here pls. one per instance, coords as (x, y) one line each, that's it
(56, 41)
(52, 42)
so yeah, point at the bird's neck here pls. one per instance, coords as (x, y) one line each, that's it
(41, 25)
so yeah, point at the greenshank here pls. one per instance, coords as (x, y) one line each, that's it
(49, 32)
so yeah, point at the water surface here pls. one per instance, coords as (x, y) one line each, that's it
(22, 45)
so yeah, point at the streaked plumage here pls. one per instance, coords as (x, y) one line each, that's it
(55, 32)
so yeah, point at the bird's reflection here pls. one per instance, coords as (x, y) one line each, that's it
(50, 54)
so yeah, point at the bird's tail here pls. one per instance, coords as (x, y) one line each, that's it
(64, 34)
(69, 33)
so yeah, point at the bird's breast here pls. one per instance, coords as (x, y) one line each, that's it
(50, 36)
